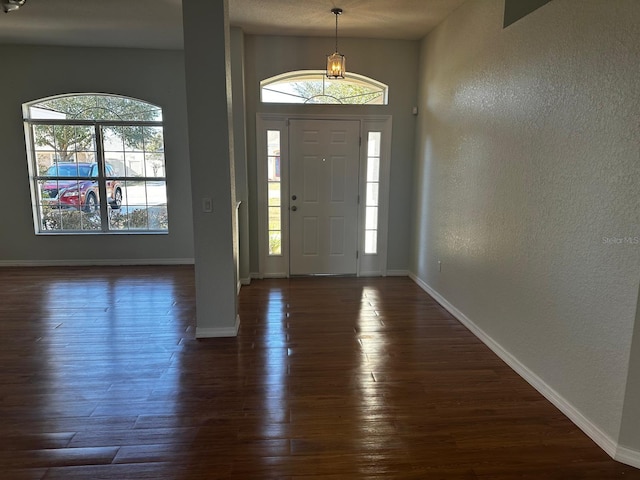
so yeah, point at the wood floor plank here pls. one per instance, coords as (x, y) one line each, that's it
(329, 378)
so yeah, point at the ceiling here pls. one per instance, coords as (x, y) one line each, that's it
(158, 23)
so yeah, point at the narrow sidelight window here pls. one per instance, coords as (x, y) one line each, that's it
(372, 195)
(274, 189)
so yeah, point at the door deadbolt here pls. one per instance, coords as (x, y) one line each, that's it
(294, 197)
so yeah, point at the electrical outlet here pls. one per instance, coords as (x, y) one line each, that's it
(207, 205)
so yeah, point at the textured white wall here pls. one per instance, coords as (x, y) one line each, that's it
(527, 179)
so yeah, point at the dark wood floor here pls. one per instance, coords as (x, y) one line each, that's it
(101, 377)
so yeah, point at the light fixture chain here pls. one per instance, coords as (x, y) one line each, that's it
(337, 31)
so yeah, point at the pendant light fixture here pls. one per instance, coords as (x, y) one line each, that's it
(336, 63)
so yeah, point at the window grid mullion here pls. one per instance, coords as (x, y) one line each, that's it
(102, 188)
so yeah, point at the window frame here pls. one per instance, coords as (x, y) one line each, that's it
(275, 180)
(272, 266)
(102, 178)
(319, 75)
(372, 220)
(368, 264)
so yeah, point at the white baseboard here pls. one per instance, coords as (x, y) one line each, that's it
(97, 262)
(628, 456)
(245, 281)
(218, 332)
(604, 441)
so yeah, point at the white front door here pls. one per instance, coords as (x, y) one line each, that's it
(323, 203)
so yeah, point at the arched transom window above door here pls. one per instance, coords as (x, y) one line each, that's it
(312, 86)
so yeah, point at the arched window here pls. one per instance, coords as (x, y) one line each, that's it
(96, 164)
(312, 86)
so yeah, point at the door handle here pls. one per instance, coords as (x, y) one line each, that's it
(294, 208)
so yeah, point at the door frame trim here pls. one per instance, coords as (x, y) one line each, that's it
(367, 264)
